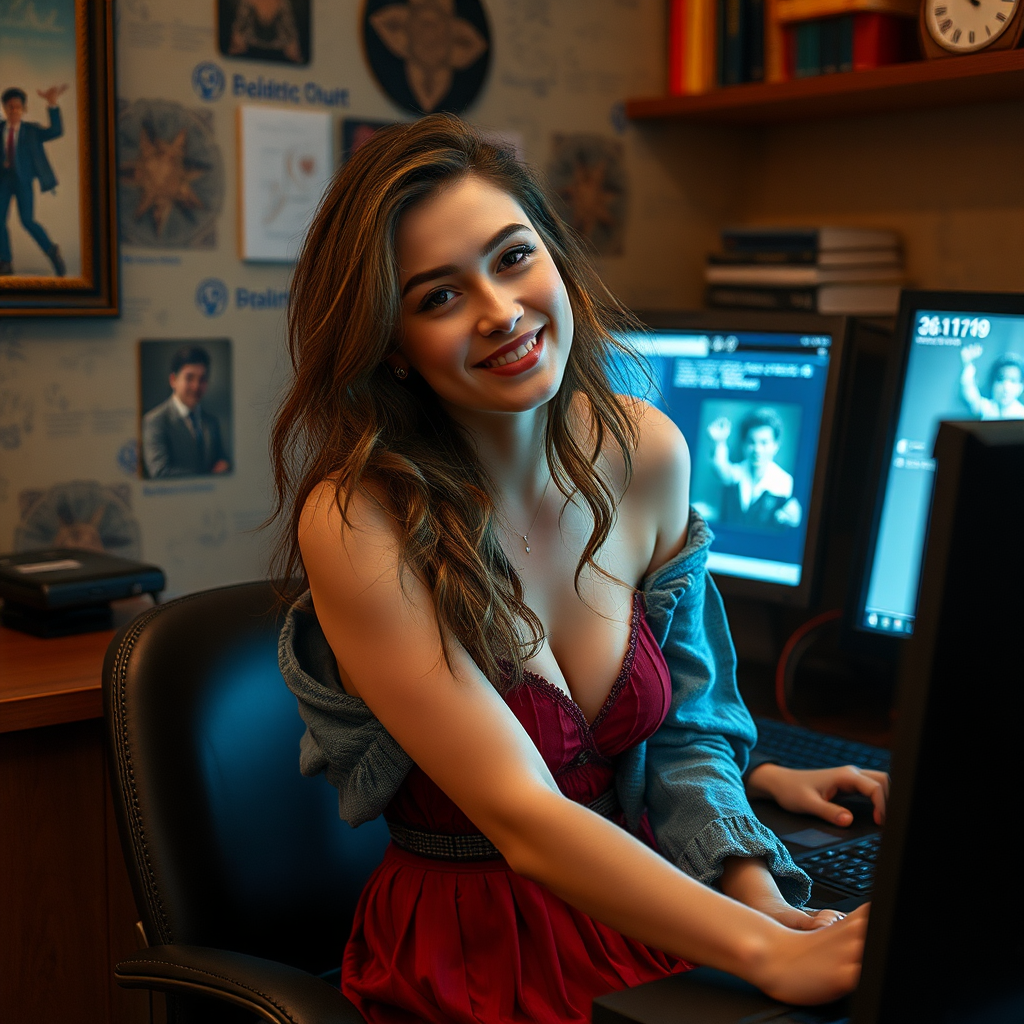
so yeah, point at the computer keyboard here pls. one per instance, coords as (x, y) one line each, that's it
(848, 868)
(796, 747)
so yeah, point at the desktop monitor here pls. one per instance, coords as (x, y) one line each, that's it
(954, 822)
(957, 355)
(754, 395)
(944, 942)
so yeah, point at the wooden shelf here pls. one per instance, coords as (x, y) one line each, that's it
(927, 83)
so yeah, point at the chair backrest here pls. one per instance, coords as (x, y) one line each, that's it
(227, 845)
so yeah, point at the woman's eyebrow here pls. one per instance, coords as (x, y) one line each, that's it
(450, 268)
(509, 229)
(428, 275)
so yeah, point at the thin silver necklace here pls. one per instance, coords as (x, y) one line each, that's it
(526, 536)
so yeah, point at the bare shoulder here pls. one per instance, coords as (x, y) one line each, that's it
(661, 448)
(659, 491)
(351, 553)
(364, 601)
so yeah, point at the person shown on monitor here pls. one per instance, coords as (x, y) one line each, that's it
(179, 437)
(756, 491)
(1006, 382)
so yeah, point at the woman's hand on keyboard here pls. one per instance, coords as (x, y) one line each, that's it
(816, 966)
(812, 791)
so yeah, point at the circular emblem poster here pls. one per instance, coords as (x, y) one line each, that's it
(428, 55)
(171, 178)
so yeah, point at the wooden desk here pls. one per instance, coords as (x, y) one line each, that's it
(50, 682)
(66, 907)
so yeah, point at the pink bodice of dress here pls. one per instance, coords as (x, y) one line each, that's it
(452, 941)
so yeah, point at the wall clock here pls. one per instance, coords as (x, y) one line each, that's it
(954, 27)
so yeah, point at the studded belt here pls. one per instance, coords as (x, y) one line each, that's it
(475, 846)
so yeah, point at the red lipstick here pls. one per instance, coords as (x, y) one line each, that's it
(525, 362)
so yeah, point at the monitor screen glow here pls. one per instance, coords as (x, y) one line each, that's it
(961, 364)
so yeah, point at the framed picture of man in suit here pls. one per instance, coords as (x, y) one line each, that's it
(186, 427)
(58, 219)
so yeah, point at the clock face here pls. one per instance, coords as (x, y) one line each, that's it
(963, 26)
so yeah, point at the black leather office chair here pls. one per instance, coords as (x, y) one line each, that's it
(244, 877)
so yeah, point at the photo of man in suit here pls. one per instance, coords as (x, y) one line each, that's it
(23, 160)
(179, 437)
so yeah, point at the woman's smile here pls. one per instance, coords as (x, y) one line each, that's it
(512, 358)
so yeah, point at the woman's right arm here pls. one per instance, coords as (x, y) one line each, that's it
(457, 728)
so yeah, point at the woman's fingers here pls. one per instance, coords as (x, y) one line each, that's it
(869, 783)
(823, 918)
(819, 806)
(850, 779)
(821, 964)
(813, 792)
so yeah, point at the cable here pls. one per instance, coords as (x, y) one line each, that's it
(792, 652)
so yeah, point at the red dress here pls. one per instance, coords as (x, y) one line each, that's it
(455, 942)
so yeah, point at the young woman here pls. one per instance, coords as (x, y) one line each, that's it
(510, 645)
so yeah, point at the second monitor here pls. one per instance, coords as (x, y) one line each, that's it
(754, 395)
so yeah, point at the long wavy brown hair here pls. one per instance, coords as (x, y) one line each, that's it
(346, 418)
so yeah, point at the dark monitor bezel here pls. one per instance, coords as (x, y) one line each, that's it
(855, 638)
(970, 589)
(837, 327)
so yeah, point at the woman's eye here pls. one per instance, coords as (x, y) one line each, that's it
(436, 299)
(519, 254)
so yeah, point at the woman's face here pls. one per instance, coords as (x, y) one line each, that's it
(486, 319)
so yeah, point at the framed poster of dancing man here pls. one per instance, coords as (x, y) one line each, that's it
(58, 217)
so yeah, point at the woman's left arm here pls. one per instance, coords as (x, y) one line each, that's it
(692, 772)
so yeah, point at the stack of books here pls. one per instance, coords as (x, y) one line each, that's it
(822, 37)
(823, 270)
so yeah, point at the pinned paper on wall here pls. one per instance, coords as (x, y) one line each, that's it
(285, 163)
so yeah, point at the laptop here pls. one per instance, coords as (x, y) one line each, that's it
(945, 942)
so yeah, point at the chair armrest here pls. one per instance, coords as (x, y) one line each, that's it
(276, 992)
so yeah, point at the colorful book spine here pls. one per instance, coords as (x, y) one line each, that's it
(741, 41)
(691, 47)
(677, 48)
(701, 45)
(754, 41)
(774, 44)
(880, 39)
(730, 42)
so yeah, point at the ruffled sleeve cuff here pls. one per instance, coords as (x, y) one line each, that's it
(744, 836)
